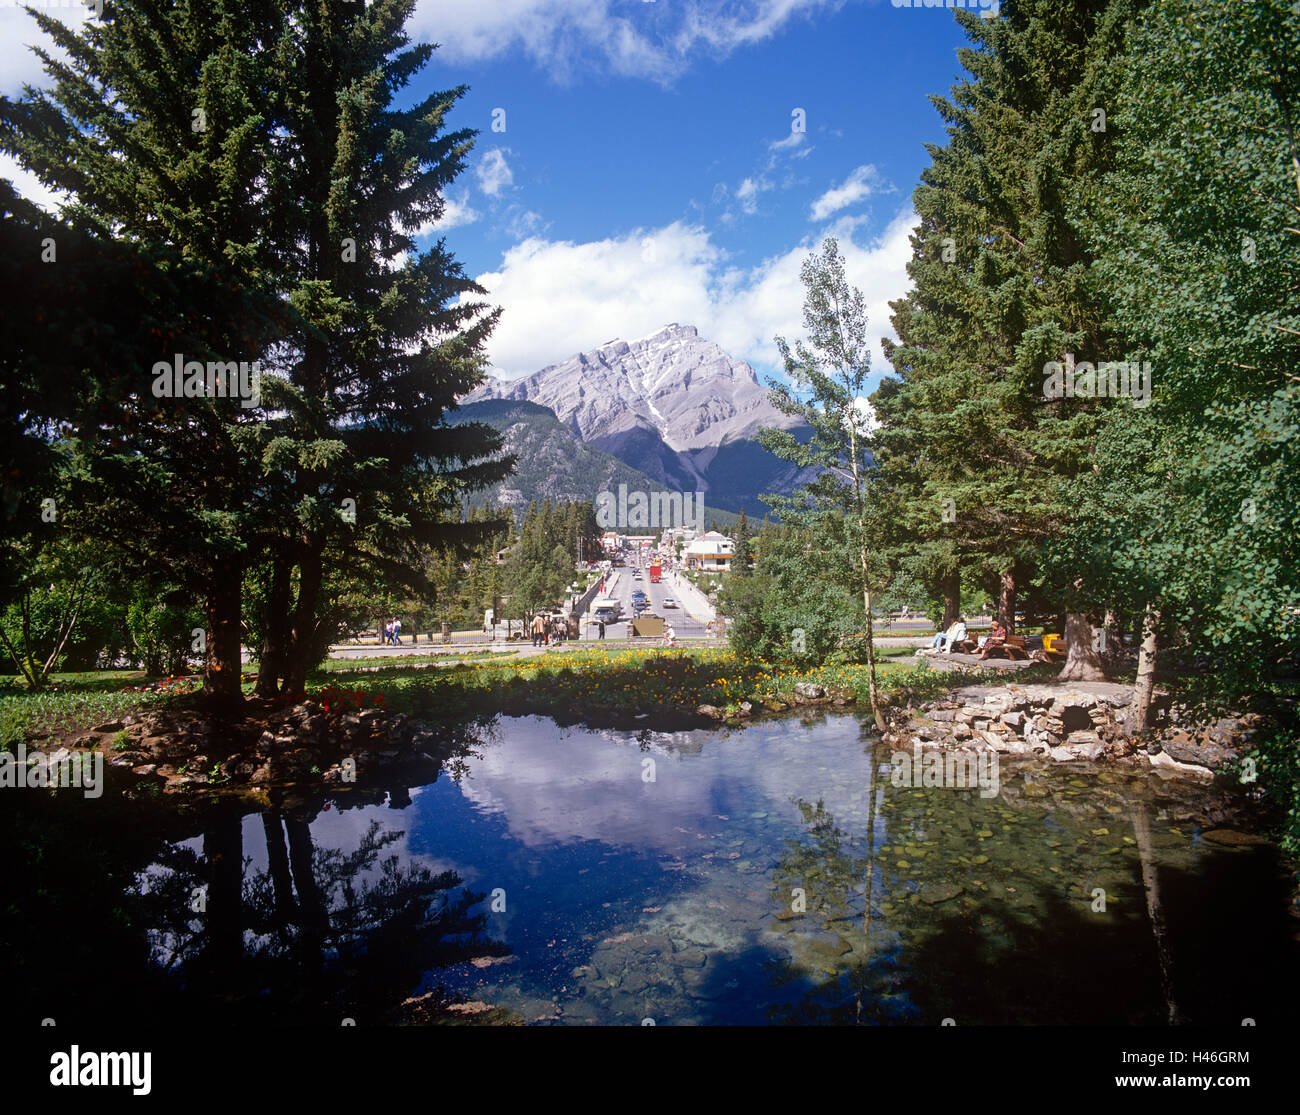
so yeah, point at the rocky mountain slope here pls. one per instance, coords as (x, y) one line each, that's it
(673, 406)
(554, 462)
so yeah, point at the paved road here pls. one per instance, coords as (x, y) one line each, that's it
(624, 581)
(899, 633)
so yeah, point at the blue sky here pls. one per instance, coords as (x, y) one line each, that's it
(652, 167)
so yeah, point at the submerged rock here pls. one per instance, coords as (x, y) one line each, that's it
(1233, 838)
(934, 893)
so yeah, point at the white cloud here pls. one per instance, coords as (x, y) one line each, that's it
(455, 212)
(18, 65)
(524, 223)
(862, 182)
(773, 174)
(747, 194)
(793, 143)
(655, 41)
(494, 173)
(632, 285)
(29, 186)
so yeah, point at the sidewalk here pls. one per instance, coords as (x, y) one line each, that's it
(692, 600)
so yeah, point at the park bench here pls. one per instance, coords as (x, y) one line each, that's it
(1013, 646)
(1054, 649)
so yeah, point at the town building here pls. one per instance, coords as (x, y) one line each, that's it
(712, 552)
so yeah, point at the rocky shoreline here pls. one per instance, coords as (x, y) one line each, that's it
(264, 743)
(1067, 722)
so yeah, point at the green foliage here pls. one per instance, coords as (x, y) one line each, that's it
(787, 610)
(540, 565)
(162, 632)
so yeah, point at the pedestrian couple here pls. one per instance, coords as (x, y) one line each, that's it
(393, 632)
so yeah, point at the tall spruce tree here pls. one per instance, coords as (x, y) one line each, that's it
(1001, 289)
(158, 126)
(360, 461)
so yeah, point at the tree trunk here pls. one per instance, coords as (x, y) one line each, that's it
(275, 640)
(313, 917)
(1007, 599)
(303, 635)
(1155, 911)
(1112, 652)
(1144, 688)
(873, 694)
(1082, 662)
(221, 663)
(951, 598)
(223, 849)
(277, 858)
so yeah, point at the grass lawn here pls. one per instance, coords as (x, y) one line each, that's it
(612, 676)
(74, 702)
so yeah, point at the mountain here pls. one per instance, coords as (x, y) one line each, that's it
(673, 406)
(554, 463)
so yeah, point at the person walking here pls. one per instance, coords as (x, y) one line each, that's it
(601, 625)
(388, 632)
(539, 627)
(397, 632)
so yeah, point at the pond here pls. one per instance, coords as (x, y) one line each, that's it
(564, 875)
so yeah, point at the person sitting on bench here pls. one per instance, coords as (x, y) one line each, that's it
(994, 638)
(954, 636)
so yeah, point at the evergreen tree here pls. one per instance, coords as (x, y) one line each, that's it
(1001, 289)
(363, 457)
(159, 127)
(740, 537)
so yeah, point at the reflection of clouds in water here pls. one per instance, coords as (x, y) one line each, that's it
(550, 787)
(553, 785)
(837, 770)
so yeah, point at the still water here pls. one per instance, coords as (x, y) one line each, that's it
(564, 876)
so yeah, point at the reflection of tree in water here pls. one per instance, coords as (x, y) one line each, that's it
(1058, 964)
(835, 872)
(320, 935)
(72, 944)
(822, 863)
(113, 914)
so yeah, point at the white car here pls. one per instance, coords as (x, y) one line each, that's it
(669, 602)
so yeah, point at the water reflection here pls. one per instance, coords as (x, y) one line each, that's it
(565, 875)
